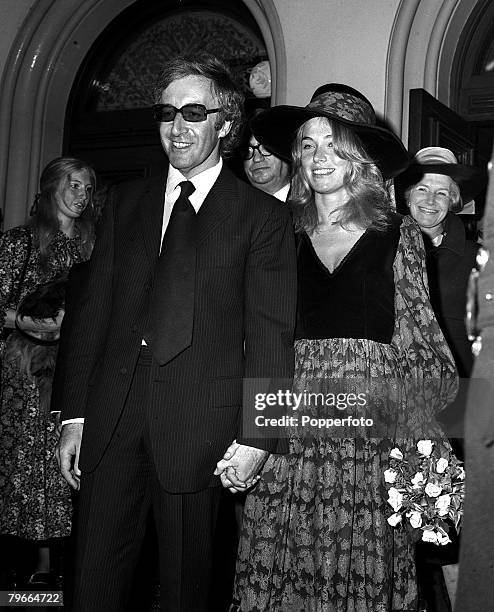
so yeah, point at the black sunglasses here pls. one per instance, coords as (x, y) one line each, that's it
(190, 112)
(249, 151)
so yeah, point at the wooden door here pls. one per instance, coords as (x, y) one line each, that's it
(432, 123)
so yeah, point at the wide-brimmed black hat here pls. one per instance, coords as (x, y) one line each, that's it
(439, 160)
(276, 127)
(246, 133)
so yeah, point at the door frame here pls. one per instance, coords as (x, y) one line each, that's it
(421, 53)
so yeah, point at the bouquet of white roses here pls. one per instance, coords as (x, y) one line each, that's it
(426, 490)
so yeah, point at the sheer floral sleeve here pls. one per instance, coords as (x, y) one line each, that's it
(13, 252)
(426, 360)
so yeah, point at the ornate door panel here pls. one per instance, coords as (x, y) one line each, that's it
(431, 123)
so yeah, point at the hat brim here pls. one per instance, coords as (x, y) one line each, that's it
(470, 179)
(276, 128)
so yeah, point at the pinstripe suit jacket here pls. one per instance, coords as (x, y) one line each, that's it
(243, 326)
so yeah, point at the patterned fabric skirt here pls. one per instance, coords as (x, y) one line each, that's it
(35, 500)
(315, 536)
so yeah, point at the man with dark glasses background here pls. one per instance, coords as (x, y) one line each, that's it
(265, 170)
(190, 289)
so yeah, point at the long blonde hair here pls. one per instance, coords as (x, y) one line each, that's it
(368, 202)
(45, 221)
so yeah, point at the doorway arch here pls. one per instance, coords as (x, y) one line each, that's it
(39, 73)
(411, 64)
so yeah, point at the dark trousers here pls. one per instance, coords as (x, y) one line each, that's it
(476, 579)
(115, 501)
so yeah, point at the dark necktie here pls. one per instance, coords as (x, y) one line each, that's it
(171, 309)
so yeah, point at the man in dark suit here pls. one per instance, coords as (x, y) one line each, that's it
(154, 352)
(476, 577)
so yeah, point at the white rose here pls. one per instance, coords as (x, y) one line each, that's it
(415, 519)
(461, 473)
(425, 447)
(395, 499)
(442, 504)
(396, 454)
(390, 475)
(432, 490)
(442, 539)
(441, 465)
(418, 480)
(394, 519)
(429, 535)
(260, 79)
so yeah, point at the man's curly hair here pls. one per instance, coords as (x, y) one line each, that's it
(224, 87)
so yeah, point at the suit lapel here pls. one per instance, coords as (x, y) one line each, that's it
(218, 204)
(214, 210)
(151, 206)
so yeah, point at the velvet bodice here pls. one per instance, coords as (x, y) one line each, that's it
(356, 300)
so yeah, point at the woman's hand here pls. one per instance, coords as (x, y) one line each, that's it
(30, 325)
(58, 424)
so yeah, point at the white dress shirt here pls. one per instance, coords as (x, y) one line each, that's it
(282, 193)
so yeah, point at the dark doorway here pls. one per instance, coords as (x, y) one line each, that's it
(108, 121)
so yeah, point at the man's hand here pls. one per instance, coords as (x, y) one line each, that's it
(67, 453)
(239, 466)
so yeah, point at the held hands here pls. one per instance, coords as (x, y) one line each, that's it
(67, 453)
(239, 466)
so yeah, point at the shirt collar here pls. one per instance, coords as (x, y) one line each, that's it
(202, 181)
(282, 193)
(454, 234)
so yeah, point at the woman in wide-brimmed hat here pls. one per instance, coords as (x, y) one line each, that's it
(315, 533)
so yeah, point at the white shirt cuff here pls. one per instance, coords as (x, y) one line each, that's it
(79, 420)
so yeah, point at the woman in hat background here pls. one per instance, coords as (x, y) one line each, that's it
(315, 533)
(438, 187)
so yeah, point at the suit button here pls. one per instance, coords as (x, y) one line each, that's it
(488, 296)
(123, 371)
(134, 328)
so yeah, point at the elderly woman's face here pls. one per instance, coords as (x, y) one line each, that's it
(429, 201)
(324, 170)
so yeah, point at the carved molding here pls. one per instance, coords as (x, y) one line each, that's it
(421, 53)
(128, 84)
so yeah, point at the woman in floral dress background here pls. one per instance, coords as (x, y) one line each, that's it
(35, 501)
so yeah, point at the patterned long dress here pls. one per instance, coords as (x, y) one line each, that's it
(35, 501)
(315, 536)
